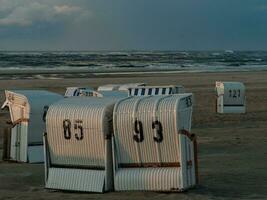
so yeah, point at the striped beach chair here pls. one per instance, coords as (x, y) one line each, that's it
(155, 90)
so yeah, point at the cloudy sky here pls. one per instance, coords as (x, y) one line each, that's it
(133, 24)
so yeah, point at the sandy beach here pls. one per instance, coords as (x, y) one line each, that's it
(232, 147)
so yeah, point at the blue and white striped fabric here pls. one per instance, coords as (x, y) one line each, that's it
(155, 90)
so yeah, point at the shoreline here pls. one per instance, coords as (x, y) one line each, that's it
(62, 74)
(117, 71)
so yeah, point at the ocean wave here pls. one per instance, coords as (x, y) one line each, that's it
(139, 60)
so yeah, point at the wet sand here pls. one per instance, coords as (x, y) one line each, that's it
(232, 147)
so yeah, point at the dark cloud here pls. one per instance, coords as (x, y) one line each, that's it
(128, 24)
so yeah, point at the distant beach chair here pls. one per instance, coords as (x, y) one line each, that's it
(27, 113)
(120, 87)
(123, 90)
(81, 91)
(230, 97)
(155, 90)
(88, 92)
(153, 149)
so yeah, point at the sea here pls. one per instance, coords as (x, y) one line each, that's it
(13, 62)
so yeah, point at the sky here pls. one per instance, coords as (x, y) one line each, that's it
(95, 25)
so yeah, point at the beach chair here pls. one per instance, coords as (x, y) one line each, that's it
(155, 90)
(27, 113)
(81, 91)
(120, 87)
(76, 91)
(153, 149)
(78, 153)
(230, 97)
